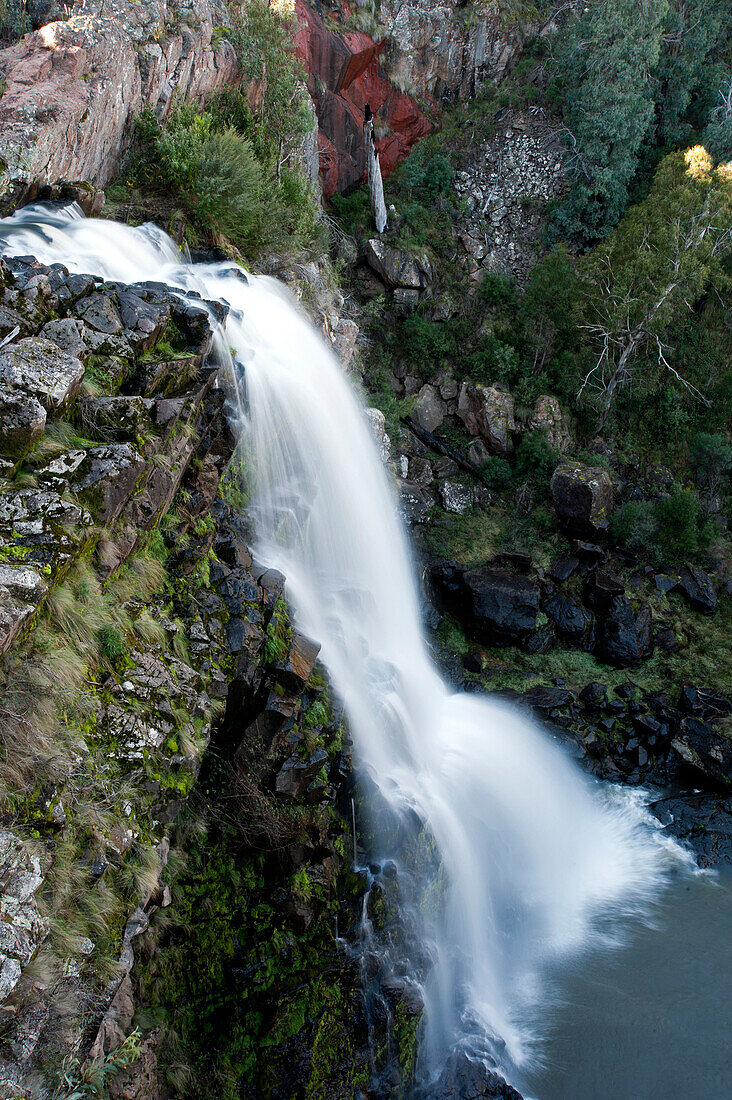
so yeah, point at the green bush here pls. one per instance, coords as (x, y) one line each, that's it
(633, 526)
(226, 188)
(496, 473)
(536, 459)
(669, 530)
(682, 530)
(711, 460)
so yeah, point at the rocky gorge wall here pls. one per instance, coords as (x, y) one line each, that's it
(135, 625)
(72, 89)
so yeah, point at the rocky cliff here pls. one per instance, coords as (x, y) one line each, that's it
(71, 90)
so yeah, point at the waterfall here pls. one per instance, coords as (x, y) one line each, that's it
(510, 857)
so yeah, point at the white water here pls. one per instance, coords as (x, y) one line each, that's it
(530, 862)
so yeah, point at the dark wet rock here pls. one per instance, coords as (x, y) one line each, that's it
(563, 567)
(397, 267)
(588, 552)
(541, 641)
(600, 589)
(697, 589)
(295, 775)
(22, 422)
(706, 750)
(570, 619)
(583, 497)
(668, 641)
(39, 368)
(594, 696)
(515, 559)
(499, 606)
(543, 697)
(624, 633)
(466, 1079)
(488, 412)
(703, 703)
(665, 583)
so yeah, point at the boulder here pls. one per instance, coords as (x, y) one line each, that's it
(594, 696)
(455, 497)
(116, 418)
(107, 479)
(21, 590)
(696, 588)
(600, 589)
(705, 749)
(464, 1076)
(22, 422)
(562, 567)
(421, 470)
(67, 333)
(499, 606)
(429, 408)
(39, 368)
(489, 413)
(624, 635)
(397, 267)
(569, 618)
(547, 416)
(295, 775)
(416, 502)
(294, 671)
(583, 497)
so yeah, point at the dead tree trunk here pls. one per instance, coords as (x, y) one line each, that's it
(373, 168)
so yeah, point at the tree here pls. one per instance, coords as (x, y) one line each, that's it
(691, 31)
(609, 54)
(663, 257)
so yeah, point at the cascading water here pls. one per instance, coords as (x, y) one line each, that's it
(522, 859)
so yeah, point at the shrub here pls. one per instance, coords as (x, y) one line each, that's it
(226, 188)
(711, 460)
(682, 530)
(536, 458)
(668, 530)
(633, 526)
(496, 473)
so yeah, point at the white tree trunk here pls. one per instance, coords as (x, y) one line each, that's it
(376, 184)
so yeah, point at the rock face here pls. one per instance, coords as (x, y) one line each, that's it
(21, 591)
(38, 367)
(583, 497)
(441, 55)
(487, 412)
(344, 73)
(90, 76)
(505, 187)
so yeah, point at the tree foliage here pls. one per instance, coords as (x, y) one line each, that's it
(664, 256)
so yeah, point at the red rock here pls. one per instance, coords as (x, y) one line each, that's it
(344, 75)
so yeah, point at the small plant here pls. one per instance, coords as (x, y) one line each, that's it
(78, 1081)
(111, 644)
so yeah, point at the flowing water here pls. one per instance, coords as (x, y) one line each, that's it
(509, 861)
